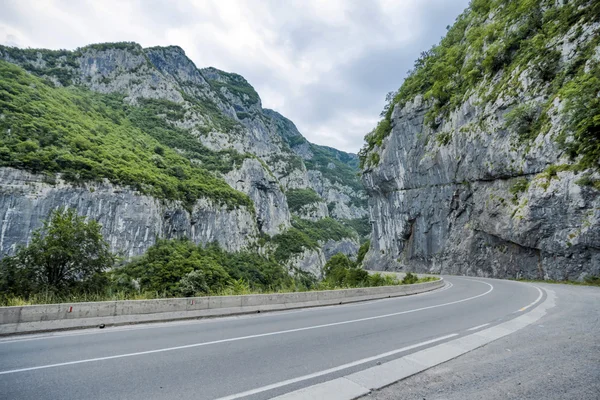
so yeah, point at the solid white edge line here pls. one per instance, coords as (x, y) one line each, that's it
(168, 324)
(477, 327)
(331, 370)
(139, 353)
(457, 347)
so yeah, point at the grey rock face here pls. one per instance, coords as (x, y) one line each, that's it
(473, 196)
(347, 246)
(272, 214)
(454, 208)
(341, 196)
(310, 260)
(130, 222)
(313, 211)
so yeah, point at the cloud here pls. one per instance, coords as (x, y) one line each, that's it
(325, 65)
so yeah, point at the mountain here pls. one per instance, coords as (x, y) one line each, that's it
(487, 159)
(151, 146)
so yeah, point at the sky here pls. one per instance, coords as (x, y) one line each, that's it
(325, 64)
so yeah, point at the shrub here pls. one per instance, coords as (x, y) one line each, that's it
(362, 252)
(521, 119)
(409, 279)
(443, 138)
(340, 271)
(178, 266)
(194, 283)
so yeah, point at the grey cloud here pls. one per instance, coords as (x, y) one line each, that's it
(369, 52)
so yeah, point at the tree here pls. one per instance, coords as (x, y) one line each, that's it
(66, 251)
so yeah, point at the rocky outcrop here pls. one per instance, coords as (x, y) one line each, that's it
(480, 191)
(130, 222)
(272, 215)
(347, 246)
(331, 173)
(346, 203)
(313, 211)
(310, 260)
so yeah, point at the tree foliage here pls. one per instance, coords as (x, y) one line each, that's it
(66, 254)
(340, 271)
(179, 267)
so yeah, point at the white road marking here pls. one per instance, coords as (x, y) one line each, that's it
(477, 327)
(331, 370)
(387, 373)
(139, 353)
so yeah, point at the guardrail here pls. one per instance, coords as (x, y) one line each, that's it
(50, 317)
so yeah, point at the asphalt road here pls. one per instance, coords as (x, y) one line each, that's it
(254, 357)
(556, 358)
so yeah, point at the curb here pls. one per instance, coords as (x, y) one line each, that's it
(363, 382)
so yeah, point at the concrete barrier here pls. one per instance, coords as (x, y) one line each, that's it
(50, 317)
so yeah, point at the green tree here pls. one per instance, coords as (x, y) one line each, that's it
(67, 251)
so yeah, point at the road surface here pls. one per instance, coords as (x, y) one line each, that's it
(556, 358)
(251, 357)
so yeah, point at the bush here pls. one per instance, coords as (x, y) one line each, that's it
(194, 283)
(179, 267)
(340, 271)
(362, 252)
(521, 119)
(409, 279)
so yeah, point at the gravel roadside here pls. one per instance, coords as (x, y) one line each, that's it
(556, 358)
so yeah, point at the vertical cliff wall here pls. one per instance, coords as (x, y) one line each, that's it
(486, 162)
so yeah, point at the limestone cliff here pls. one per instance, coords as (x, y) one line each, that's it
(156, 147)
(486, 162)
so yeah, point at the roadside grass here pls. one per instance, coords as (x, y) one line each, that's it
(237, 287)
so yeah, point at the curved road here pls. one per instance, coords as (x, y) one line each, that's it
(253, 357)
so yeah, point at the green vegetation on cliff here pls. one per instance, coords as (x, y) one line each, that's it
(306, 235)
(298, 198)
(485, 52)
(87, 136)
(234, 83)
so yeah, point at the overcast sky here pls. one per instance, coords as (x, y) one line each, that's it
(325, 64)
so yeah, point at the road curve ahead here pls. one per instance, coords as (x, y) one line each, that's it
(253, 357)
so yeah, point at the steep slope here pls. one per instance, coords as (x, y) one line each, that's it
(487, 159)
(152, 146)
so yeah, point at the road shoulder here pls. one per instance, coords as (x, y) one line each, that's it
(555, 358)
